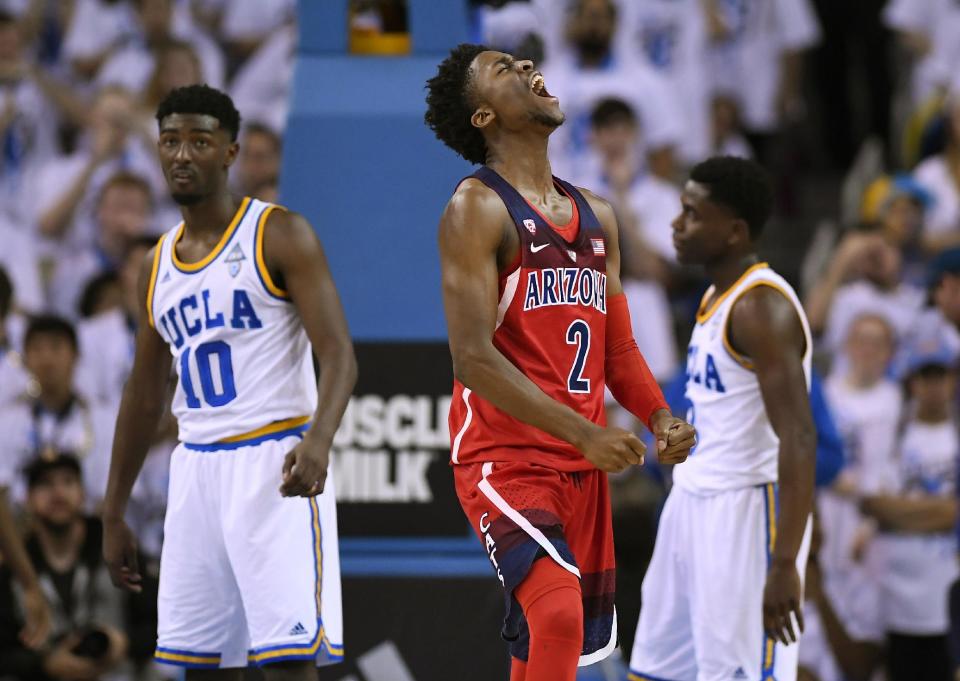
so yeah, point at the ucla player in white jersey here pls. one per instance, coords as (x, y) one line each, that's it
(235, 297)
(722, 596)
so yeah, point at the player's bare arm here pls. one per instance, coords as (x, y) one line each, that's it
(633, 384)
(141, 407)
(297, 263)
(475, 237)
(765, 327)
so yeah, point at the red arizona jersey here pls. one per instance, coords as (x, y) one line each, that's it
(551, 324)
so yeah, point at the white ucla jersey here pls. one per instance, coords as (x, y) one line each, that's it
(243, 359)
(737, 446)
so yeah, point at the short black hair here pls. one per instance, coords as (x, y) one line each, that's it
(202, 99)
(6, 293)
(449, 104)
(739, 184)
(50, 325)
(7, 18)
(612, 111)
(94, 291)
(36, 470)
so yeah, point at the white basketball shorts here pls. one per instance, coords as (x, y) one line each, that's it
(247, 577)
(702, 612)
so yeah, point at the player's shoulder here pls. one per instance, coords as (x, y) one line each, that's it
(472, 195)
(600, 207)
(473, 205)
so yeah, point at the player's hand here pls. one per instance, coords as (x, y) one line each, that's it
(305, 469)
(36, 629)
(781, 598)
(613, 449)
(675, 437)
(120, 554)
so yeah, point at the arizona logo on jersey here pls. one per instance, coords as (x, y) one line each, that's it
(551, 324)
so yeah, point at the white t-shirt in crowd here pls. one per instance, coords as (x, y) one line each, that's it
(106, 356)
(13, 378)
(855, 597)
(85, 430)
(132, 65)
(867, 419)
(56, 177)
(506, 27)
(943, 215)
(28, 142)
(747, 63)
(244, 19)
(261, 88)
(671, 37)
(901, 307)
(918, 569)
(148, 500)
(96, 26)
(655, 203)
(19, 259)
(580, 90)
(938, 20)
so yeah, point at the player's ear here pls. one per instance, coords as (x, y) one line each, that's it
(232, 152)
(482, 117)
(740, 232)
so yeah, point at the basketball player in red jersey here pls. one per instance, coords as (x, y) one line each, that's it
(538, 326)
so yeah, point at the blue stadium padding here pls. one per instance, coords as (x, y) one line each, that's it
(360, 164)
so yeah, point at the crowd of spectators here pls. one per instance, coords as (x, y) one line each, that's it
(82, 200)
(649, 87)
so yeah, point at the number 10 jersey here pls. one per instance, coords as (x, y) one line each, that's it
(243, 359)
(551, 324)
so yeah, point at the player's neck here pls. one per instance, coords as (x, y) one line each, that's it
(725, 273)
(523, 162)
(211, 215)
(933, 413)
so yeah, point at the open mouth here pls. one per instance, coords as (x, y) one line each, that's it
(538, 86)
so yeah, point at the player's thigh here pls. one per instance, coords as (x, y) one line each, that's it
(214, 675)
(199, 615)
(663, 646)
(733, 536)
(275, 547)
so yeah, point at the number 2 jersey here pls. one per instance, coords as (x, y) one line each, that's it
(243, 359)
(551, 325)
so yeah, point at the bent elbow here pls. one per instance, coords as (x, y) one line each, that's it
(467, 365)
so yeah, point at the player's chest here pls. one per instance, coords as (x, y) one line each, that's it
(206, 307)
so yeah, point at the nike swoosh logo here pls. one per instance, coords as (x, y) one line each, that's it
(537, 249)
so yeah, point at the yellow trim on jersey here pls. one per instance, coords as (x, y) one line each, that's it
(269, 429)
(153, 279)
(289, 650)
(771, 508)
(258, 255)
(317, 550)
(227, 233)
(332, 649)
(189, 659)
(704, 315)
(737, 357)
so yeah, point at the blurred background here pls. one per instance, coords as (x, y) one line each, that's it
(852, 106)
